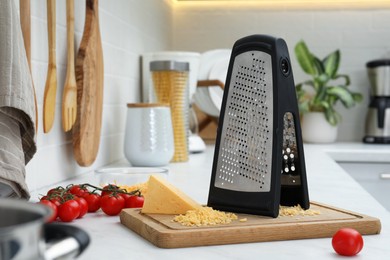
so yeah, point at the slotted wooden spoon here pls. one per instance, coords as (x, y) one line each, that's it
(49, 99)
(69, 97)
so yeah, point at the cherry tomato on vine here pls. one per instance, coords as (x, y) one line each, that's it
(347, 242)
(109, 189)
(55, 191)
(69, 210)
(134, 202)
(56, 201)
(44, 198)
(124, 195)
(78, 191)
(83, 206)
(93, 201)
(112, 204)
(53, 197)
(53, 207)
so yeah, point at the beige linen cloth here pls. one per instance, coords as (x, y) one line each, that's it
(17, 108)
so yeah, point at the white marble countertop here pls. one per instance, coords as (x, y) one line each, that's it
(356, 152)
(327, 182)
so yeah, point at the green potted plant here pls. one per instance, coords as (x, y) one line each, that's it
(318, 96)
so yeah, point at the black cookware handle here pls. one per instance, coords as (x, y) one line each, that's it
(55, 231)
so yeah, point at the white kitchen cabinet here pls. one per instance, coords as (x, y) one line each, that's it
(369, 176)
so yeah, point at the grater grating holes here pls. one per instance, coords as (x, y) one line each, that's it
(290, 157)
(246, 142)
(289, 152)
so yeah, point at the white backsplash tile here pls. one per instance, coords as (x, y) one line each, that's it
(128, 28)
(39, 43)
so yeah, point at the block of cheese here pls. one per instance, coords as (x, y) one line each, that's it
(164, 198)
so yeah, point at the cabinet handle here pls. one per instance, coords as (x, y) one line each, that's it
(385, 176)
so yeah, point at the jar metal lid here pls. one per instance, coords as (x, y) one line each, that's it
(132, 105)
(165, 65)
(378, 63)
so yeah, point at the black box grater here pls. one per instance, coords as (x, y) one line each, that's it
(258, 160)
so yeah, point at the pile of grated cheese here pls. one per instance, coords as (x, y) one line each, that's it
(142, 187)
(205, 216)
(297, 211)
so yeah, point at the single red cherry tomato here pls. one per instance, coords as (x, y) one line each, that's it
(56, 201)
(93, 201)
(124, 195)
(347, 242)
(53, 208)
(83, 206)
(112, 204)
(78, 190)
(134, 202)
(109, 189)
(69, 210)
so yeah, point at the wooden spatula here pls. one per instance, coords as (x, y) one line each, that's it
(89, 76)
(69, 97)
(25, 21)
(49, 100)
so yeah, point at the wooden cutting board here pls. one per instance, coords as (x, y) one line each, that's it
(162, 232)
(90, 78)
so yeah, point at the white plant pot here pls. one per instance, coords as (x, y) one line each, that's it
(315, 129)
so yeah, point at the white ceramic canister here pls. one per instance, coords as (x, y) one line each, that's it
(148, 134)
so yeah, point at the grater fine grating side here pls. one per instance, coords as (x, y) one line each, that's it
(258, 160)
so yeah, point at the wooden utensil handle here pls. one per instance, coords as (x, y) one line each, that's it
(51, 27)
(70, 37)
(210, 83)
(26, 28)
(25, 22)
(92, 5)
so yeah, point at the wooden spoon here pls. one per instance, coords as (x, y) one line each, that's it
(25, 21)
(49, 100)
(90, 78)
(69, 97)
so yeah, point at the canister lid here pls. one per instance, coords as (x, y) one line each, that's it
(147, 105)
(165, 65)
(378, 63)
